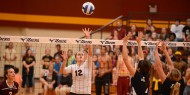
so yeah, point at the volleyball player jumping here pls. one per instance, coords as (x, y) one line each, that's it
(81, 71)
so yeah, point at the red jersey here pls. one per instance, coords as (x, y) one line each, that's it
(6, 90)
(120, 34)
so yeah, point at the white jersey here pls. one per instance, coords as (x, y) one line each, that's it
(81, 78)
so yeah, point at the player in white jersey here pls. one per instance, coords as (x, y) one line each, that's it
(81, 71)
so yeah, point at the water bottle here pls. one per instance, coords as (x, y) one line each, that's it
(106, 88)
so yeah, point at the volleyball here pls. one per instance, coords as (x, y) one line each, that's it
(88, 8)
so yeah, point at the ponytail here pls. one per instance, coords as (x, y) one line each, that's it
(175, 89)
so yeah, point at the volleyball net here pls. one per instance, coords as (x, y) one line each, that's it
(49, 40)
(40, 44)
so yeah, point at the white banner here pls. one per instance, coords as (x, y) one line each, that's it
(83, 41)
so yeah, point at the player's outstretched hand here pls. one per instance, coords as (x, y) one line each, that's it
(87, 32)
(64, 55)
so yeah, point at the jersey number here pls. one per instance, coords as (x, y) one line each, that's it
(78, 72)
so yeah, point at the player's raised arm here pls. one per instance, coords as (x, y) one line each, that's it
(168, 59)
(129, 66)
(140, 51)
(62, 69)
(158, 64)
(87, 34)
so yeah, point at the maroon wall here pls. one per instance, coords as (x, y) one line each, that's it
(166, 8)
(103, 8)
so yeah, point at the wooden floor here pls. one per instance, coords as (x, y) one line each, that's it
(38, 90)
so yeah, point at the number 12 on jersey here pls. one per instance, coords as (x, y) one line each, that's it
(78, 72)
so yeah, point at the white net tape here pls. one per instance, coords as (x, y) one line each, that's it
(83, 41)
